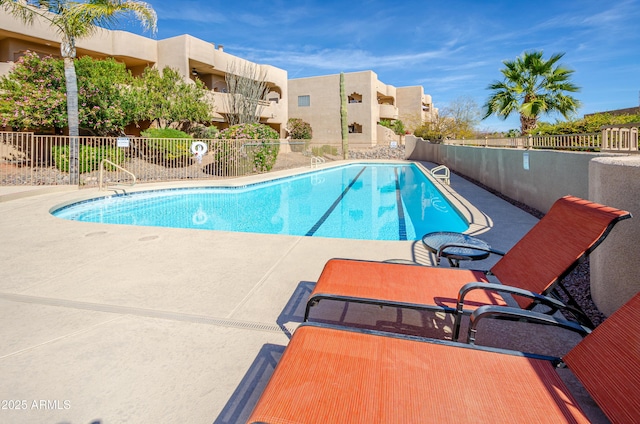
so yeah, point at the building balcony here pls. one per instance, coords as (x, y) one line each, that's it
(270, 111)
(388, 112)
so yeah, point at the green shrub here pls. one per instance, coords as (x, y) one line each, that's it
(426, 132)
(324, 150)
(168, 146)
(261, 149)
(297, 146)
(88, 157)
(204, 132)
(164, 133)
(264, 155)
(588, 124)
(170, 151)
(397, 126)
(299, 129)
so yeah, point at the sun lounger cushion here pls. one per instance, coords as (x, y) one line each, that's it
(413, 284)
(608, 363)
(551, 248)
(337, 376)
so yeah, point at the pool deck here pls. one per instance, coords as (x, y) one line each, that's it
(111, 324)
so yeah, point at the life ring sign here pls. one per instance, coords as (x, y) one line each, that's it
(199, 149)
(199, 217)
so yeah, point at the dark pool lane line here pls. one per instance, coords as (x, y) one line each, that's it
(334, 205)
(402, 225)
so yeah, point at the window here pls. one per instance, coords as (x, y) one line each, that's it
(355, 128)
(355, 98)
(304, 101)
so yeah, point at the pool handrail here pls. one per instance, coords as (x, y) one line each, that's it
(100, 178)
(316, 160)
(441, 172)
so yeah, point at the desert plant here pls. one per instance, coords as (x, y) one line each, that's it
(168, 145)
(247, 88)
(261, 148)
(343, 119)
(89, 157)
(397, 126)
(324, 150)
(299, 129)
(203, 131)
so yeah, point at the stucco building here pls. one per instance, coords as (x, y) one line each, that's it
(316, 100)
(192, 57)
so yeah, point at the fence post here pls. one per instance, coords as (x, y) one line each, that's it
(74, 160)
(621, 137)
(32, 161)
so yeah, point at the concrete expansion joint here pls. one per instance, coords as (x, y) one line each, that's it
(142, 312)
(72, 334)
(264, 278)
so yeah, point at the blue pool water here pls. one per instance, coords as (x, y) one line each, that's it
(359, 201)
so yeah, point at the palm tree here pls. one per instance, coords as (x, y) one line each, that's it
(73, 21)
(532, 86)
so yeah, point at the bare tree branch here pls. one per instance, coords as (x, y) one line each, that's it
(247, 89)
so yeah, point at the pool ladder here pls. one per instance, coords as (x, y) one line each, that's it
(442, 173)
(100, 178)
(317, 160)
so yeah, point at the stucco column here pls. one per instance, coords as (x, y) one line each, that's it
(615, 264)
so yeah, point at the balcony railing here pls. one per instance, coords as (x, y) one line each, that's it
(221, 102)
(388, 112)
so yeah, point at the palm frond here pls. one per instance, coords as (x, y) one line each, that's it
(532, 86)
(106, 13)
(23, 10)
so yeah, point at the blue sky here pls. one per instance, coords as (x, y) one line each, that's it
(454, 49)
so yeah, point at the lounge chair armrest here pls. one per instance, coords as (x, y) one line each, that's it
(552, 303)
(509, 313)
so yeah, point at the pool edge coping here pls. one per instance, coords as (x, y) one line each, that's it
(478, 221)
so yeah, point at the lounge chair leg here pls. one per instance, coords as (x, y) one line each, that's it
(456, 326)
(307, 310)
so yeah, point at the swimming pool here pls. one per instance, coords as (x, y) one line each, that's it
(356, 201)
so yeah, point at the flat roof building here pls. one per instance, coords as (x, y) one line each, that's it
(316, 100)
(190, 56)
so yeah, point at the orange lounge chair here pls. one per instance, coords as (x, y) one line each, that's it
(571, 229)
(346, 375)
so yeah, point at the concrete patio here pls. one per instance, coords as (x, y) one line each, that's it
(111, 324)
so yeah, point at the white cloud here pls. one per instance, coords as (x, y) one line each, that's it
(342, 59)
